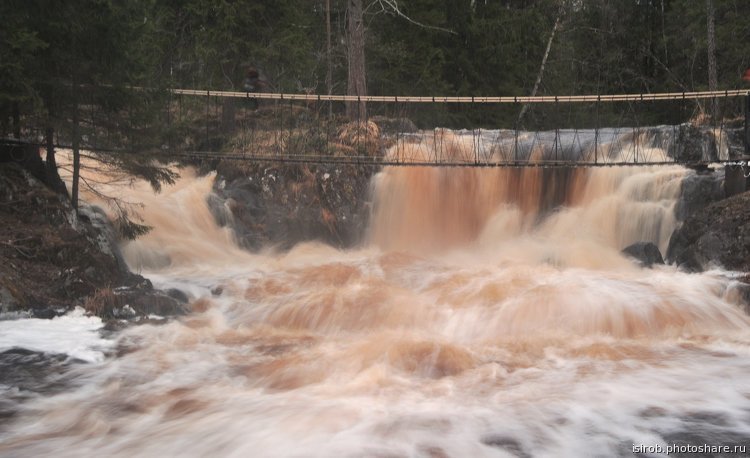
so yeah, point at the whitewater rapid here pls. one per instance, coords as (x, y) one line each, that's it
(486, 316)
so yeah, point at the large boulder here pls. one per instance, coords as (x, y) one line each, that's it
(646, 253)
(698, 190)
(718, 234)
(694, 144)
(283, 204)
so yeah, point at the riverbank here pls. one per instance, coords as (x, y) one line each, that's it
(52, 261)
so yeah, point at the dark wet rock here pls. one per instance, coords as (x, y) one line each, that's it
(219, 209)
(50, 258)
(284, 204)
(99, 230)
(30, 370)
(718, 234)
(646, 253)
(698, 190)
(739, 293)
(8, 301)
(24, 373)
(47, 313)
(131, 303)
(178, 295)
(694, 144)
(507, 444)
(124, 313)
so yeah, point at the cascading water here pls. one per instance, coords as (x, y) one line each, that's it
(491, 314)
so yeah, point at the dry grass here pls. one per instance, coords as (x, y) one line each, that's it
(101, 303)
(362, 136)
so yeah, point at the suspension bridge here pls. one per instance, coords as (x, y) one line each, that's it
(559, 131)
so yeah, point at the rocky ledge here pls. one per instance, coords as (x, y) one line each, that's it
(716, 235)
(52, 260)
(283, 204)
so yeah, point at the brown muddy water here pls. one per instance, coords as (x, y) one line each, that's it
(490, 314)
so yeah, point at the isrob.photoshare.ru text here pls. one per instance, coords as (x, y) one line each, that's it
(659, 449)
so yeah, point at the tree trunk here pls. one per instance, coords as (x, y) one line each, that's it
(76, 153)
(329, 61)
(16, 120)
(52, 177)
(544, 63)
(357, 78)
(712, 79)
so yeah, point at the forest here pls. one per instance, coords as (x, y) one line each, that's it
(55, 54)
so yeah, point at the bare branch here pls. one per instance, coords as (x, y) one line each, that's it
(391, 6)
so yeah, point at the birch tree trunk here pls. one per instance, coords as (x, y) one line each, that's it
(544, 63)
(357, 78)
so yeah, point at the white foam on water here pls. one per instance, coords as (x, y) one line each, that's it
(73, 334)
(493, 315)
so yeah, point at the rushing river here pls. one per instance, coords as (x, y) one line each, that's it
(490, 314)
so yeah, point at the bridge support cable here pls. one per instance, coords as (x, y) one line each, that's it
(586, 130)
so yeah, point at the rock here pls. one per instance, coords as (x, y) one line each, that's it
(33, 371)
(718, 234)
(136, 302)
(694, 144)
(508, 445)
(124, 312)
(218, 208)
(646, 253)
(284, 205)
(52, 260)
(8, 302)
(178, 295)
(698, 191)
(99, 230)
(46, 313)
(738, 292)
(158, 303)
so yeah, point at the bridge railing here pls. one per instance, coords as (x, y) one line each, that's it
(581, 130)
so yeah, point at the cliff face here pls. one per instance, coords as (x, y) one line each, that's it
(718, 234)
(48, 258)
(51, 260)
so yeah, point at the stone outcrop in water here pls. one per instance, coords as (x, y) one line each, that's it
(718, 234)
(699, 190)
(646, 253)
(283, 204)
